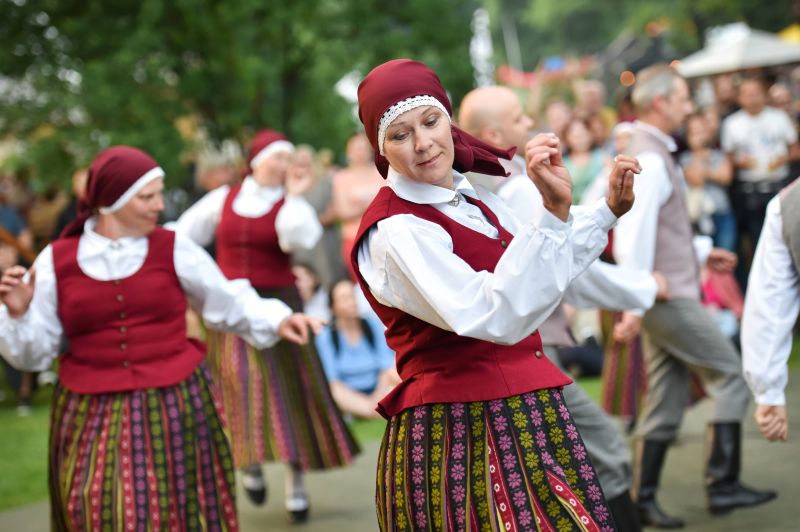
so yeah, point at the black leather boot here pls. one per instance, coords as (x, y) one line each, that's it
(649, 461)
(625, 514)
(725, 492)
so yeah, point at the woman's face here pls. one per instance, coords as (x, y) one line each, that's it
(271, 171)
(419, 145)
(140, 215)
(578, 137)
(697, 133)
(344, 304)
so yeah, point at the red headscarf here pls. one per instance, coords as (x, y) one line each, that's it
(264, 142)
(400, 79)
(111, 175)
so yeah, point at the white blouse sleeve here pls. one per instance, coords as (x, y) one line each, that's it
(199, 222)
(297, 225)
(771, 307)
(408, 263)
(32, 342)
(612, 287)
(227, 305)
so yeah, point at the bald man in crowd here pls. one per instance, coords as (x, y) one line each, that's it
(494, 115)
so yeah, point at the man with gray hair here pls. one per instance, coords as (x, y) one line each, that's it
(680, 335)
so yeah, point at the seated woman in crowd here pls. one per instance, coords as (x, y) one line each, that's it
(358, 363)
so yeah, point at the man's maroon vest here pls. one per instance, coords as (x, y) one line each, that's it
(439, 366)
(247, 248)
(126, 334)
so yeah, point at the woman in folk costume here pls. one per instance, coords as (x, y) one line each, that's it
(479, 437)
(136, 441)
(277, 401)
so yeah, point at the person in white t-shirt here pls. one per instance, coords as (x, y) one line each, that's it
(760, 142)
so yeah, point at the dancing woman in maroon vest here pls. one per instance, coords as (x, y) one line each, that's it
(479, 437)
(136, 441)
(277, 401)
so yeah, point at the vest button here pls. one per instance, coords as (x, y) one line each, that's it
(116, 282)
(122, 315)
(503, 243)
(125, 363)
(123, 329)
(538, 354)
(120, 297)
(123, 346)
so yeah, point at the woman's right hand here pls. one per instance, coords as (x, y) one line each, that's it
(16, 293)
(546, 169)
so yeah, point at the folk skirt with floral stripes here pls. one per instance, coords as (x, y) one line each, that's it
(277, 401)
(514, 464)
(152, 459)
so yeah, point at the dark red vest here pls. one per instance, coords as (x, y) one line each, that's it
(247, 248)
(126, 334)
(439, 366)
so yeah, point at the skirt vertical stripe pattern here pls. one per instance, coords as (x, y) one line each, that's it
(277, 402)
(514, 464)
(152, 459)
(624, 379)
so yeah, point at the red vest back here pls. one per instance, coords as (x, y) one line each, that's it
(247, 248)
(439, 366)
(126, 334)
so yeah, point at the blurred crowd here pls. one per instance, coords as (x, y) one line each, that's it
(738, 149)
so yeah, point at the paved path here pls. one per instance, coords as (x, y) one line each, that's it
(343, 500)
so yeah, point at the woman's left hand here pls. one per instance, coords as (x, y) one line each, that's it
(620, 184)
(295, 328)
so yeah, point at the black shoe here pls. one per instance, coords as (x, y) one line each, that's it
(298, 508)
(626, 518)
(725, 492)
(651, 514)
(254, 485)
(650, 456)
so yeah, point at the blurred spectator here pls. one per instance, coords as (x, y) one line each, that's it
(621, 137)
(725, 95)
(780, 97)
(557, 115)
(760, 142)
(70, 211)
(354, 188)
(44, 213)
(314, 296)
(325, 256)
(590, 100)
(601, 132)
(358, 363)
(583, 158)
(12, 222)
(709, 174)
(626, 111)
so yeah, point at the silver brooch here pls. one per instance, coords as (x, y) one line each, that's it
(455, 201)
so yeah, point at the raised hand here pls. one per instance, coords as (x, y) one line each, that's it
(298, 181)
(547, 171)
(620, 184)
(16, 293)
(295, 328)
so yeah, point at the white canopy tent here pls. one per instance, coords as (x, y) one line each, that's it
(737, 49)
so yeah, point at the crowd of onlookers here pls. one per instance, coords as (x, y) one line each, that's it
(738, 149)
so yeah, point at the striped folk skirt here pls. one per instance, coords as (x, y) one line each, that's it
(624, 379)
(277, 402)
(152, 459)
(505, 465)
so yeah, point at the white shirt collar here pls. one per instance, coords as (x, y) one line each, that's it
(97, 241)
(660, 135)
(427, 194)
(250, 186)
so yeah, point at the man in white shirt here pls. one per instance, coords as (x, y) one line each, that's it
(680, 335)
(760, 141)
(771, 307)
(494, 115)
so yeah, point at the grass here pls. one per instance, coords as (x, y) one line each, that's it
(23, 441)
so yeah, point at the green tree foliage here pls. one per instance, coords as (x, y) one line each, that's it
(79, 75)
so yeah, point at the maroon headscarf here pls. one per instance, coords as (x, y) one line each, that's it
(112, 173)
(400, 79)
(264, 139)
